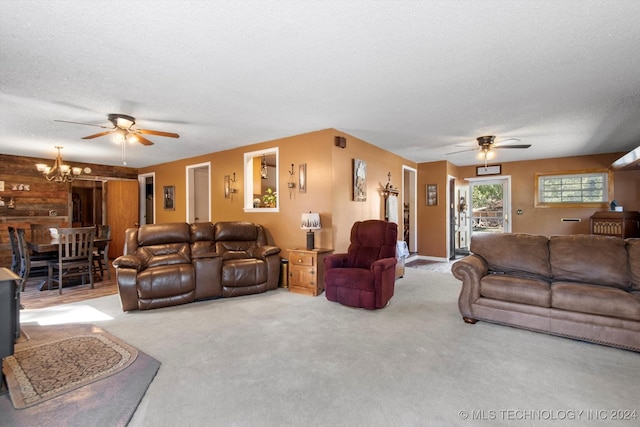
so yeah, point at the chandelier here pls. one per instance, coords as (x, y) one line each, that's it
(60, 172)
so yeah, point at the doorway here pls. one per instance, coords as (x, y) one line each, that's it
(489, 208)
(86, 203)
(147, 202)
(198, 199)
(409, 208)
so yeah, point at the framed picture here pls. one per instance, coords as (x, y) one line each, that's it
(488, 170)
(359, 180)
(168, 197)
(227, 186)
(432, 194)
(302, 178)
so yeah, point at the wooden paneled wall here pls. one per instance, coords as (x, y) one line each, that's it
(44, 202)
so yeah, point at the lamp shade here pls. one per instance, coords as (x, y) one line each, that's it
(310, 221)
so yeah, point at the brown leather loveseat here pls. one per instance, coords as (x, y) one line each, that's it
(177, 263)
(585, 287)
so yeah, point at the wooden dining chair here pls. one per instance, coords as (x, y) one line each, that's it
(101, 250)
(30, 265)
(15, 254)
(75, 256)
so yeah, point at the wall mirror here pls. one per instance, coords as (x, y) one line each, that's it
(261, 182)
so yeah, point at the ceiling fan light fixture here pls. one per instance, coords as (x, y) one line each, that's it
(121, 121)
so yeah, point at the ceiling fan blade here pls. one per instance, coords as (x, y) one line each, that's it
(463, 151)
(98, 134)
(142, 140)
(512, 146)
(158, 133)
(85, 124)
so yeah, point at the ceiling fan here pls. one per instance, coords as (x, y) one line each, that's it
(124, 131)
(486, 145)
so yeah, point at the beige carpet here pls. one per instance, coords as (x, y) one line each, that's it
(40, 371)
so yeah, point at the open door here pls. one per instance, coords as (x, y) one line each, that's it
(490, 205)
(122, 212)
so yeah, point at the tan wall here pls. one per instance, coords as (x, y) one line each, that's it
(432, 220)
(379, 163)
(329, 187)
(547, 221)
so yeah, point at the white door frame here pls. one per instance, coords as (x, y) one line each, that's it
(189, 169)
(410, 198)
(506, 199)
(142, 180)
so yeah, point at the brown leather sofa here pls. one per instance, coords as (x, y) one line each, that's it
(585, 287)
(177, 263)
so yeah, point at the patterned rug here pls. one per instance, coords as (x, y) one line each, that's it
(439, 267)
(37, 373)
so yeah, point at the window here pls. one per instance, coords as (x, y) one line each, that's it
(574, 189)
(261, 181)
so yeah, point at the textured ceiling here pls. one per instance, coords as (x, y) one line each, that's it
(418, 78)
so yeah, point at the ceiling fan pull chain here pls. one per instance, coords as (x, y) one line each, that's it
(124, 153)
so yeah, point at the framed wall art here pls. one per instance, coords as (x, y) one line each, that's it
(168, 197)
(359, 180)
(302, 178)
(432, 194)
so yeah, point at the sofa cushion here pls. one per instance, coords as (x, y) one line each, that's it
(157, 234)
(633, 252)
(166, 281)
(521, 290)
(594, 299)
(588, 258)
(517, 252)
(243, 272)
(202, 238)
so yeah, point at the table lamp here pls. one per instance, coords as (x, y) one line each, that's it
(310, 222)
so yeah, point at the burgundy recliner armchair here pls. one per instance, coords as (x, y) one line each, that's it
(365, 275)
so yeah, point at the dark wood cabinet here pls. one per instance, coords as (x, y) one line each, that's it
(614, 223)
(9, 312)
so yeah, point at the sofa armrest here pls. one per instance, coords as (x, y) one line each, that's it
(129, 261)
(383, 264)
(263, 252)
(335, 261)
(470, 269)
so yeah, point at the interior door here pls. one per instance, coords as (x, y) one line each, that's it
(198, 202)
(122, 212)
(490, 206)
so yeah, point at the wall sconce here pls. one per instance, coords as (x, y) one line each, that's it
(229, 186)
(291, 185)
(310, 222)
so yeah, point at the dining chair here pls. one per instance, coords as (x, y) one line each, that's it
(15, 254)
(30, 265)
(75, 256)
(101, 250)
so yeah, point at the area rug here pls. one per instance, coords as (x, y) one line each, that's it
(41, 372)
(76, 375)
(439, 267)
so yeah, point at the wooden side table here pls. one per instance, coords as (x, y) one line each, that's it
(306, 270)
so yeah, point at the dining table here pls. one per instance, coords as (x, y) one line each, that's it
(49, 244)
